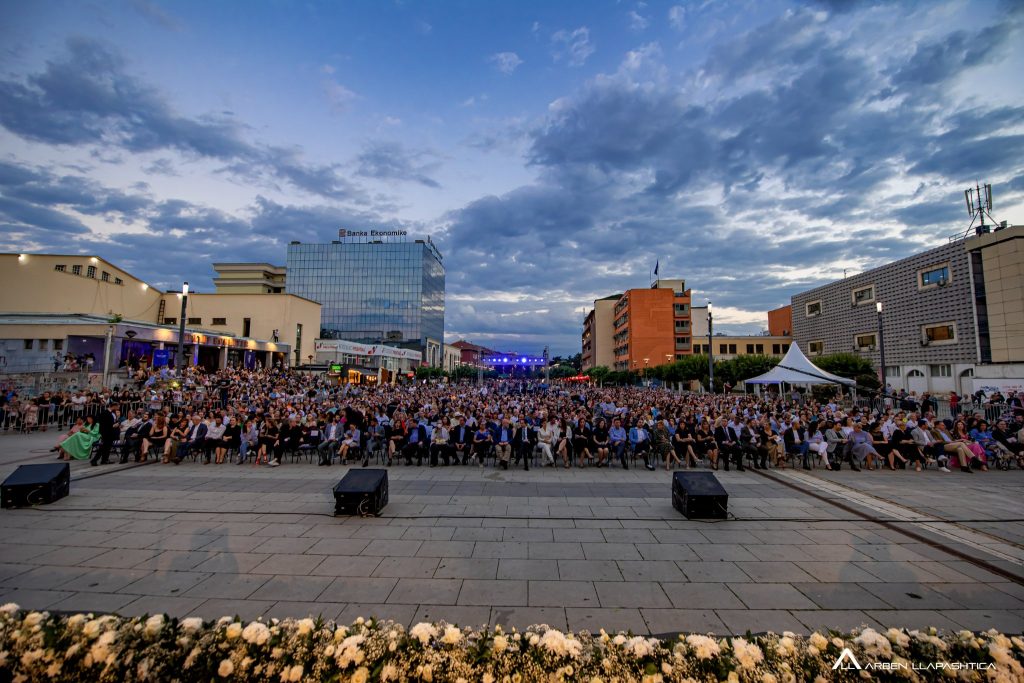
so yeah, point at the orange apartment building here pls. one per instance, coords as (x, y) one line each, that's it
(652, 326)
(780, 322)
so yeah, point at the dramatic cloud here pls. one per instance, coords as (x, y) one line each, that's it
(87, 97)
(391, 161)
(506, 62)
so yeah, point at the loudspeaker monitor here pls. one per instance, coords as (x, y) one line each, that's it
(361, 492)
(35, 485)
(699, 495)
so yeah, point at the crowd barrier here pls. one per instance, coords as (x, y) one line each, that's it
(943, 410)
(14, 419)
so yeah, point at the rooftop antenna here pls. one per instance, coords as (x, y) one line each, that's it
(979, 204)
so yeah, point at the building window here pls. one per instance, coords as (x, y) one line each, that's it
(696, 348)
(723, 348)
(933, 276)
(90, 271)
(170, 321)
(76, 270)
(58, 344)
(682, 341)
(750, 349)
(785, 348)
(759, 349)
(863, 295)
(813, 308)
(865, 342)
(118, 281)
(892, 371)
(219, 321)
(60, 267)
(941, 370)
(682, 326)
(43, 343)
(28, 344)
(941, 333)
(776, 349)
(246, 327)
(680, 356)
(815, 348)
(105, 276)
(732, 348)
(195, 321)
(681, 309)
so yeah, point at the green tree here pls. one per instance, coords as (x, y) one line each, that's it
(560, 371)
(430, 373)
(598, 373)
(848, 365)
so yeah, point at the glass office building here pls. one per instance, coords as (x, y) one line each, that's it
(384, 291)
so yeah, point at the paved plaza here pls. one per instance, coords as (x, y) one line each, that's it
(579, 549)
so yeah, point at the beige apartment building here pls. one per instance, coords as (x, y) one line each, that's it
(724, 346)
(51, 303)
(598, 331)
(249, 278)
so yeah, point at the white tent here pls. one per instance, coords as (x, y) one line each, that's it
(796, 369)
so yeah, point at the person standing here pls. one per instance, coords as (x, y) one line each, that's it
(108, 435)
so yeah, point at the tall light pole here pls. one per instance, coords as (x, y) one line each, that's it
(181, 329)
(881, 347)
(711, 360)
(646, 362)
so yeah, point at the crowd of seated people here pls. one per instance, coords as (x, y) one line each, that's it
(263, 417)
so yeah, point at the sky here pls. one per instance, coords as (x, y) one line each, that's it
(555, 151)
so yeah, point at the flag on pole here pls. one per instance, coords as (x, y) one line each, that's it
(656, 264)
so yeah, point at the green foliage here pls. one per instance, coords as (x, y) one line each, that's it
(560, 371)
(848, 365)
(430, 373)
(737, 369)
(598, 373)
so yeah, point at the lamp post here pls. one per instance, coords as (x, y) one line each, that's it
(881, 346)
(181, 329)
(711, 360)
(646, 362)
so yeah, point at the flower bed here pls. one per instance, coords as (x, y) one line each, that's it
(38, 646)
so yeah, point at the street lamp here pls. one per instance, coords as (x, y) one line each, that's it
(711, 360)
(881, 346)
(181, 329)
(646, 362)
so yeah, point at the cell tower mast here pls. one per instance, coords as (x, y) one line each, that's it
(979, 204)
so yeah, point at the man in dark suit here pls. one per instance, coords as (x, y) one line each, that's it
(522, 443)
(461, 436)
(107, 421)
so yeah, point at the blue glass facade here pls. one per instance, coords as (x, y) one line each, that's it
(372, 291)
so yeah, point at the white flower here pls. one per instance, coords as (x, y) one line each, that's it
(747, 654)
(277, 653)
(452, 636)
(666, 668)
(295, 674)
(898, 637)
(9, 608)
(819, 641)
(786, 647)
(361, 675)
(769, 678)
(389, 673)
(500, 643)
(154, 624)
(91, 628)
(76, 620)
(423, 632)
(619, 639)
(234, 631)
(190, 625)
(101, 649)
(32, 619)
(305, 626)
(703, 646)
(488, 678)
(226, 668)
(640, 647)
(256, 633)
(555, 642)
(874, 643)
(31, 657)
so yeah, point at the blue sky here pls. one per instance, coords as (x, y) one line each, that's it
(555, 151)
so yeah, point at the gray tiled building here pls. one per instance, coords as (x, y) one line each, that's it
(938, 326)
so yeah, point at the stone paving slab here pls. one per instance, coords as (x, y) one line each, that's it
(581, 549)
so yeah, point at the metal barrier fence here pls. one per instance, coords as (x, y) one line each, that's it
(943, 410)
(28, 416)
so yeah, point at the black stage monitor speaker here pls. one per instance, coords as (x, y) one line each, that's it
(698, 495)
(35, 485)
(361, 492)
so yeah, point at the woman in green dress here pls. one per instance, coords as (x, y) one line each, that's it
(79, 445)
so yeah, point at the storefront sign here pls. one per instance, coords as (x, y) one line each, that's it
(343, 233)
(371, 350)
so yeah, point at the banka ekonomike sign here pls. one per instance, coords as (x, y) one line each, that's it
(343, 233)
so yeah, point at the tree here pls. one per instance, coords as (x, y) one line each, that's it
(576, 361)
(848, 365)
(561, 371)
(430, 373)
(737, 369)
(598, 373)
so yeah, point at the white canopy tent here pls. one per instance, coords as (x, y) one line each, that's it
(794, 368)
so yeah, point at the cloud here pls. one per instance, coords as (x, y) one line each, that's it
(339, 97)
(637, 22)
(574, 47)
(391, 161)
(677, 17)
(156, 14)
(505, 62)
(87, 98)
